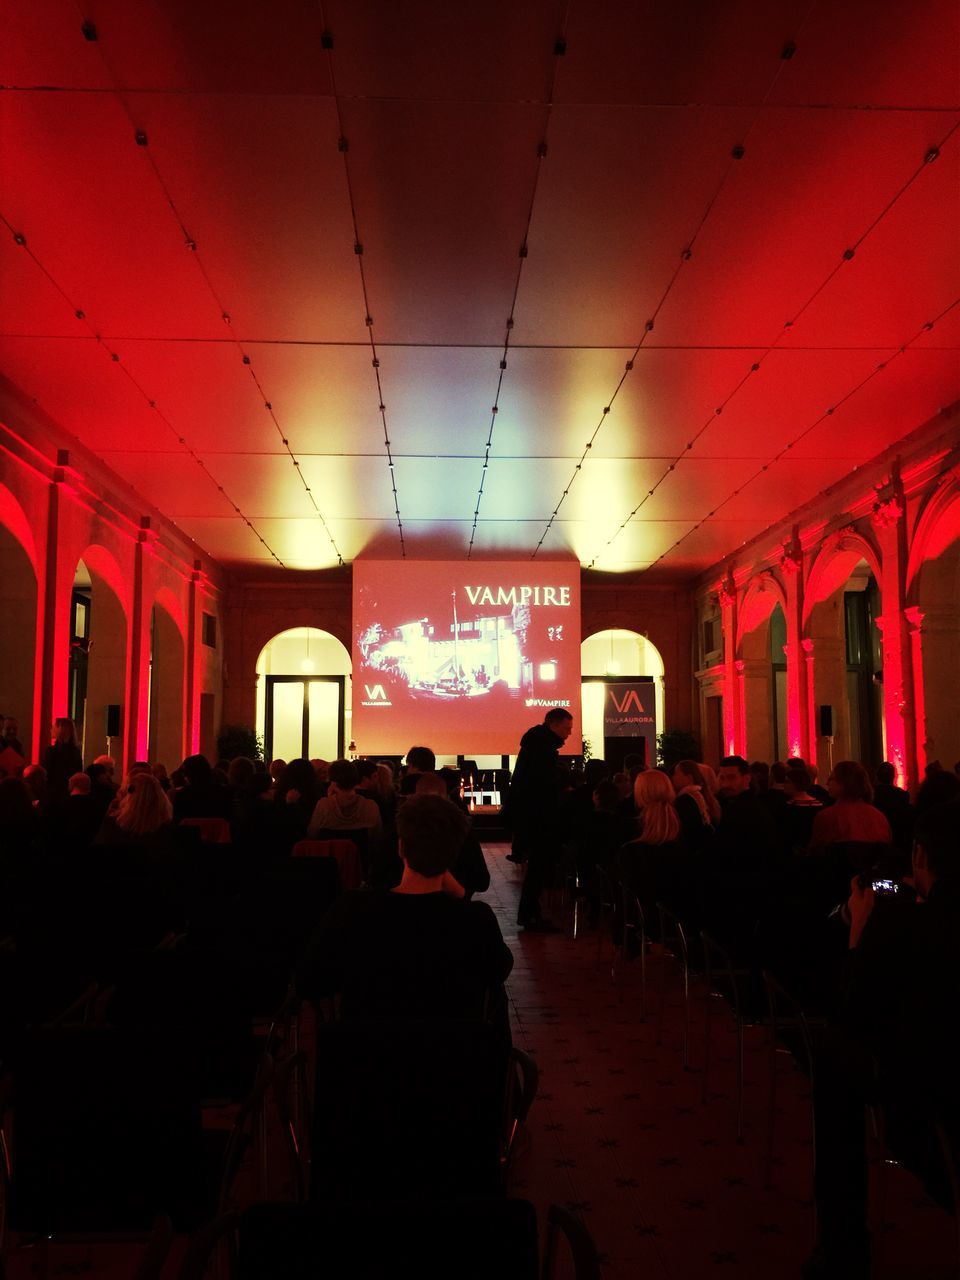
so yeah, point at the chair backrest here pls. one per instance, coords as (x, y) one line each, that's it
(722, 975)
(789, 1023)
(360, 836)
(345, 852)
(673, 935)
(417, 1105)
(212, 830)
(472, 1239)
(106, 1131)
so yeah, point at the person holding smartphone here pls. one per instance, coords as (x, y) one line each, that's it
(895, 1046)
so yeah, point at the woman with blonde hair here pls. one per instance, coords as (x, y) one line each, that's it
(142, 814)
(654, 867)
(654, 798)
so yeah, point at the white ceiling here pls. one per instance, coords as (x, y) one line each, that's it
(443, 109)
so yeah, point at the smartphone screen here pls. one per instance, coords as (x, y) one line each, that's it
(885, 886)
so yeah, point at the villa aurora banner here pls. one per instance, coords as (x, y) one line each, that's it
(629, 710)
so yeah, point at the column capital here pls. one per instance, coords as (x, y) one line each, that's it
(791, 560)
(726, 593)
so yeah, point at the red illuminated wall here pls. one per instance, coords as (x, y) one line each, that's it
(62, 505)
(897, 518)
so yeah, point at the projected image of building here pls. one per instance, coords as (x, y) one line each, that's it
(457, 659)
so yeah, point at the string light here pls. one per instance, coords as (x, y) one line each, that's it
(846, 256)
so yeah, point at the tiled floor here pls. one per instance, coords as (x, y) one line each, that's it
(620, 1133)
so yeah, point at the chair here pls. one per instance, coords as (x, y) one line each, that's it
(790, 1028)
(724, 980)
(107, 1139)
(212, 830)
(674, 939)
(607, 908)
(361, 837)
(472, 1239)
(948, 1148)
(634, 925)
(523, 1080)
(106, 1132)
(417, 1104)
(344, 852)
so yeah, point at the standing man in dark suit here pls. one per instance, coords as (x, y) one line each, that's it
(532, 809)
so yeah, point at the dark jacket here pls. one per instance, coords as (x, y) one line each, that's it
(534, 795)
(393, 955)
(61, 761)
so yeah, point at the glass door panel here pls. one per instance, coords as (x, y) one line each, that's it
(287, 736)
(324, 717)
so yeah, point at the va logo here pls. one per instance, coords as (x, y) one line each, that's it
(630, 699)
(375, 692)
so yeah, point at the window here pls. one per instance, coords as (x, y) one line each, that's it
(208, 630)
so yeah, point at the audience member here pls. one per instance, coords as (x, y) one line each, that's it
(9, 737)
(469, 868)
(747, 831)
(420, 950)
(62, 759)
(800, 811)
(852, 817)
(419, 760)
(697, 807)
(295, 798)
(656, 866)
(143, 816)
(342, 808)
(936, 788)
(35, 778)
(204, 796)
(896, 1047)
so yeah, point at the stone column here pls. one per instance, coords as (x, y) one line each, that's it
(727, 598)
(798, 722)
(56, 601)
(898, 701)
(138, 708)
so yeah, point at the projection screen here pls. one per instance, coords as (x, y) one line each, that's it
(462, 656)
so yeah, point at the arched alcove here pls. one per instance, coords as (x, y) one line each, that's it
(304, 695)
(609, 657)
(98, 654)
(842, 605)
(18, 623)
(935, 625)
(761, 636)
(167, 688)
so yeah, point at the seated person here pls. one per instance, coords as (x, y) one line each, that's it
(204, 796)
(468, 868)
(852, 817)
(342, 808)
(897, 1045)
(420, 950)
(656, 866)
(798, 815)
(419, 760)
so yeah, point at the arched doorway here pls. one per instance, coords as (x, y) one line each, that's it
(165, 736)
(934, 617)
(98, 653)
(610, 662)
(304, 695)
(846, 710)
(18, 623)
